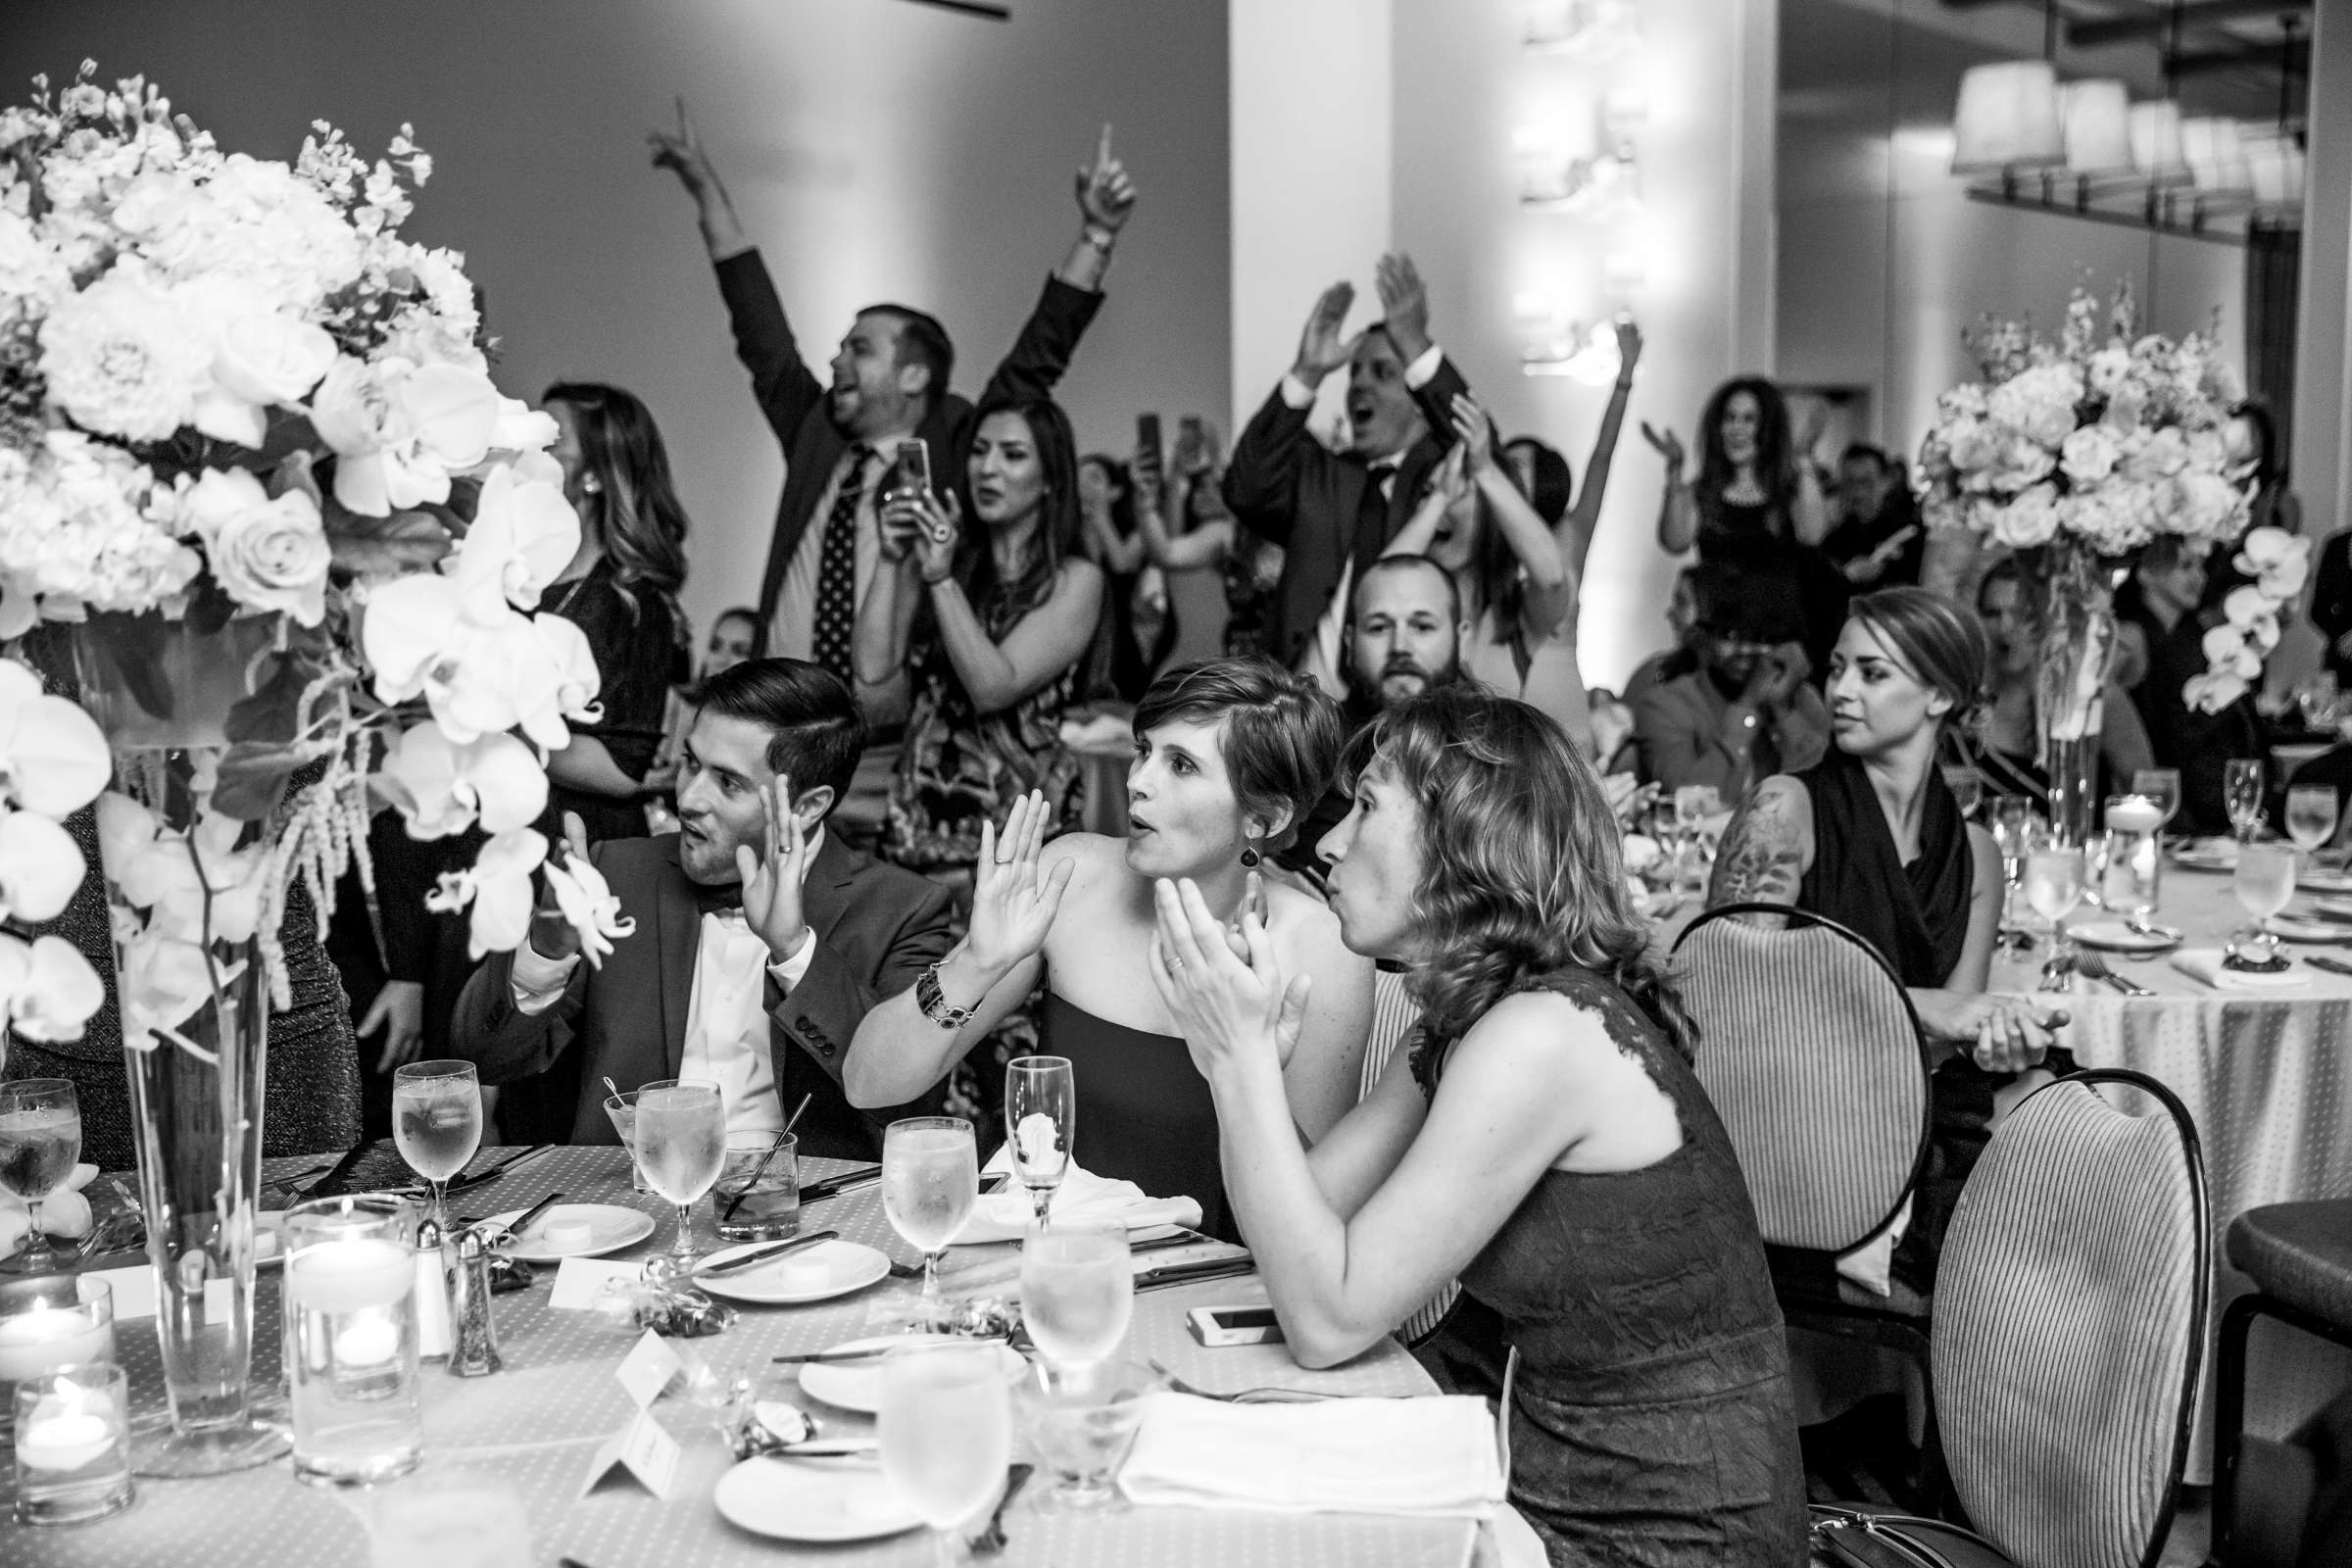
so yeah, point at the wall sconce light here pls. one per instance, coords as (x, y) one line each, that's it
(2007, 118)
(2155, 129)
(1552, 344)
(1624, 275)
(2217, 158)
(1551, 179)
(2094, 117)
(1623, 111)
(1595, 29)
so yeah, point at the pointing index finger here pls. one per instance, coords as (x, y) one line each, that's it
(1102, 149)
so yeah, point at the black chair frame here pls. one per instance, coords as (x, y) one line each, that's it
(2230, 1400)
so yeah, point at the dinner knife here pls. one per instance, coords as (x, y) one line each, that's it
(835, 1186)
(764, 1255)
(1213, 1268)
(2331, 965)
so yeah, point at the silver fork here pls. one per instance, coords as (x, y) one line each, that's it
(2092, 966)
(1263, 1395)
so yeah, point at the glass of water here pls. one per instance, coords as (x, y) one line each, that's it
(2242, 795)
(681, 1145)
(930, 1180)
(757, 1197)
(2012, 832)
(945, 1422)
(349, 1345)
(621, 1110)
(40, 1139)
(2311, 811)
(1077, 1291)
(2264, 883)
(438, 1123)
(1041, 1113)
(2130, 884)
(2053, 887)
(1967, 786)
(1082, 1420)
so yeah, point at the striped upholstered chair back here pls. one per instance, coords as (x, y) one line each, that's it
(1809, 1048)
(2070, 1323)
(1393, 1015)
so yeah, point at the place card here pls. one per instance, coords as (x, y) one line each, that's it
(579, 1281)
(647, 1369)
(645, 1451)
(133, 1290)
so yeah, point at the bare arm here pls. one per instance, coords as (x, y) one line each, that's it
(1046, 641)
(1768, 848)
(681, 153)
(1576, 529)
(1170, 549)
(1678, 509)
(586, 766)
(1106, 199)
(1121, 558)
(1810, 515)
(1321, 1078)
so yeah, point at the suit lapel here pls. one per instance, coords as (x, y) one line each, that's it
(824, 894)
(678, 939)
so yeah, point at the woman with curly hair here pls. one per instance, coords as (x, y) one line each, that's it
(1546, 1142)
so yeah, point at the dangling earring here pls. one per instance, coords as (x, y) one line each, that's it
(1250, 855)
(591, 485)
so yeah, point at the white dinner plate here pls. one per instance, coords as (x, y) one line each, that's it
(611, 1227)
(830, 1502)
(814, 1274)
(269, 1239)
(2341, 907)
(857, 1385)
(2326, 879)
(2296, 929)
(2207, 855)
(2115, 936)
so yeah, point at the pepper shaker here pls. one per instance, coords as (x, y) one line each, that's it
(432, 1293)
(474, 1353)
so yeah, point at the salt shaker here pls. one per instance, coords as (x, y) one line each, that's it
(474, 1353)
(432, 1293)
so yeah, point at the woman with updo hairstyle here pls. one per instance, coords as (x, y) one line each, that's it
(1545, 1140)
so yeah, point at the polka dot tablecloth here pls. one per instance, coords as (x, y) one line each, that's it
(535, 1428)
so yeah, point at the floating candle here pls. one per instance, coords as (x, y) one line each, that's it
(48, 1338)
(347, 1276)
(61, 1438)
(2134, 814)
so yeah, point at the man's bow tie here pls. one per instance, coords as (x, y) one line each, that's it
(724, 899)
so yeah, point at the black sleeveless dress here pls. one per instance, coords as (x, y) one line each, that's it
(1651, 1424)
(1145, 1114)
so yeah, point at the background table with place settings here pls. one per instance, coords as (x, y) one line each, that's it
(534, 1427)
(2268, 1077)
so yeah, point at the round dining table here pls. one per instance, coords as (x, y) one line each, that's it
(535, 1428)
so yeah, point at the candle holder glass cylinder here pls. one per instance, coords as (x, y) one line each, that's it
(73, 1446)
(51, 1321)
(2132, 882)
(351, 1340)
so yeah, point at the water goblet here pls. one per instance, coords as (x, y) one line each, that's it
(2242, 794)
(945, 1425)
(930, 1180)
(2264, 883)
(1082, 1420)
(1077, 1291)
(2161, 785)
(40, 1139)
(2053, 887)
(1967, 785)
(438, 1123)
(2311, 814)
(1041, 1114)
(2012, 830)
(681, 1145)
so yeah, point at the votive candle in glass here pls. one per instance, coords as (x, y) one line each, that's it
(73, 1445)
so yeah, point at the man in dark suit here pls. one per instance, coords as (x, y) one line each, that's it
(1331, 512)
(762, 939)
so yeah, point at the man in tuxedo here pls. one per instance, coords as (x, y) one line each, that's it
(1331, 512)
(762, 939)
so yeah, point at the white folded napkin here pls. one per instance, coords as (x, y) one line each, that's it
(2205, 963)
(1004, 1215)
(1433, 1458)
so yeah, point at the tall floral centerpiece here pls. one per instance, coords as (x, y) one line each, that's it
(251, 451)
(2077, 456)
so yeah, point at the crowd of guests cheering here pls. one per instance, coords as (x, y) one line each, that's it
(846, 820)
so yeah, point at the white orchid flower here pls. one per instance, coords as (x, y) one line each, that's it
(40, 866)
(498, 886)
(400, 430)
(523, 428)
(2278, 561)
(162, 981)
(524, 532)
(2231, 651)
(410, 624)
(2210, 693)
(52, 757)
(47, 989)
(441, 787)
(159, 872)
(589, 905)
(578, 681)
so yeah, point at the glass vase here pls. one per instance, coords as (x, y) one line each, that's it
(2077, 650)
(183, 881)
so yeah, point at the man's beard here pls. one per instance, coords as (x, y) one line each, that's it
(1368, 698)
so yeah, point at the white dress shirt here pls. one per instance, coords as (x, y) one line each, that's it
(792, 633)
(727, 1031)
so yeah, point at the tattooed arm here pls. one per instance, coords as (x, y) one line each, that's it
(1768, 847)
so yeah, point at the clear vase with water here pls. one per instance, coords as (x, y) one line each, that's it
(351, 1352)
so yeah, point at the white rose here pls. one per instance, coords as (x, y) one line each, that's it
(122, 361)
(2164, 454)
(269, 358)
(2090, 453)
(270, 556)
(2030, 519)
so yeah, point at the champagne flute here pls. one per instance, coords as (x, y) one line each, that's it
(2311, 813)
(2012, 830)
(930, 1180)
(40, 1139)
(2053, 887)
(1077, 1291)
(1041, 1113)
(2264, 883)
(2161, 785)
(681, 1146)
(945, 1426)
(438, 1123)
(1967, 785)
(2241, 794)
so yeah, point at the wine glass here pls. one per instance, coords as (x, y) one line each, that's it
(681, 1146)
(2315, 697)
(1967, 785)
(2241, 794)
(945, 1425)
(2053, 887)
(1077, 1291)
(438, 1123)
(1040, 1112)
(2265, 881)
(2161, 785)
(40, 1139)
(2012, 830)
(2311, 811)
(930, 1180)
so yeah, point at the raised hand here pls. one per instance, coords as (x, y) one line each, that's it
(1227, 1005)
(1669, 446)
(1404, 305)
(937, 522)
(1106, 195)
(398, 1010)
(1013, 904)
(681, 151)
(771, 881)
(1321, 348)
(553, 936)
(1474, 433)
(1629, 347)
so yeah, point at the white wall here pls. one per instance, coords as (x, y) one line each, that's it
(878, 150)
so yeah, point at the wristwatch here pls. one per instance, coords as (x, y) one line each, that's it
(935, 1005)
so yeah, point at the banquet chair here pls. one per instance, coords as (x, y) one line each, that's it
(2299, 1257)
(2069, 1327)
(1394, 1014)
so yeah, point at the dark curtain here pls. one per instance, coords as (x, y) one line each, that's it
(2274, 264)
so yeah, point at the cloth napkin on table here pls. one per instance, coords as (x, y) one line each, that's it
(2205, 963)
(1004, 1215)
(1433, 1458)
